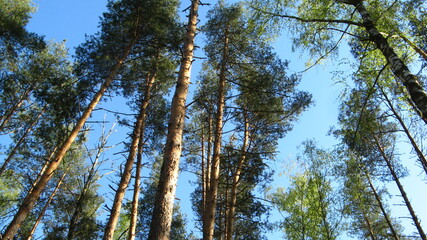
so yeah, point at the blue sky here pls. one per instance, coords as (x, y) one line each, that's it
(70, 20)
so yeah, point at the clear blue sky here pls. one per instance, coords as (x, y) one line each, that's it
(70, 20)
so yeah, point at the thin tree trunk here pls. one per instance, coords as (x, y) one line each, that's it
(5, 119)
(414, 144)
(402, 191)
(209, 221)
(39, 218)
(21, 140)
(135, 200)
(87, 183)
(32, 196)
(369, 225)
(398, 67)
(162, 212)
(380, 204)
(127, 172)
(206, 166)
(203, 166)
(414, 46)
(236, 181)
(208, 159)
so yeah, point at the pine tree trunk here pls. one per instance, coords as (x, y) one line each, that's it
(235, 184)
(206, 165)
(88, 181)
(402, 191)
(39, 218)
(162, 212)
(380, 204)
(209, 221)
(127, 172)
(369, 225)
(137, 187)
(21, 140)
(203, 172)
(6, 118)
(398, 67)
(32, 196)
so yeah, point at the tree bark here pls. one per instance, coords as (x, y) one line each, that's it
(39, 218)
(398, 67)
(402, 191)
(137, 185)
(137, 136)
(162, 212)
(235, 184)
(414, 144)
(5, 119)
(32, 196)
(21, 140)
(380, 204)
(211, 196)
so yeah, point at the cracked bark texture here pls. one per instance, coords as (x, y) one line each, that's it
(165, 195)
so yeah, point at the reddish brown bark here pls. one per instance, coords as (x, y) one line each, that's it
(32, 196)
(236, 179)
(211, 195)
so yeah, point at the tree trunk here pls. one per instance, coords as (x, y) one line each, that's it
(5, 119)
(206, 165)
(21, 140)
(380, 204)
(235, 184)
(402, 191)
(88, 181)
(414, 144)
(162, 212)
(398, 67)
(209, 221)
(39, 218)
(32, 196)
(136, 190)
(127, 172)
(369, 225)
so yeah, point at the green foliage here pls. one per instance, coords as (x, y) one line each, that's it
(9, 192)
(14, 15)
(311, 205)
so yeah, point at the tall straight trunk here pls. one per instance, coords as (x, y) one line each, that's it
(401, 189)
(203, 167)
(137, 135)
(211, 196)
(135, 199)
(398, 67)
(6, 118)
(206, 165)
(39, 218)
(236, 181)
(32, 196)
(208, 158)
(40, 173)
(162, 212)
(20, 141)
(369, 226)
(380, 204)
(414, 144)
